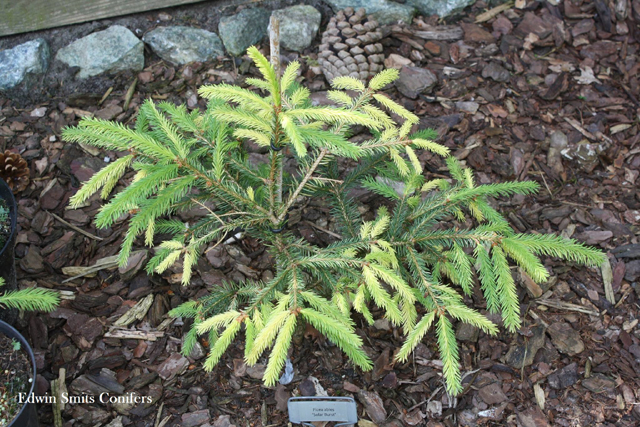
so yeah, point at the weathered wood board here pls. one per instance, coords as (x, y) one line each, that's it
(21, 16)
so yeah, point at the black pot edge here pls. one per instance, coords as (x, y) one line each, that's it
(7, 253)
(7, 194)
(11, 332)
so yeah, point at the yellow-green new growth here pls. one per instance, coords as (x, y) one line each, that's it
(29, 299)
(403, 261)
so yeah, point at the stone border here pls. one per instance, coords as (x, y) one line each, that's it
(103, 48)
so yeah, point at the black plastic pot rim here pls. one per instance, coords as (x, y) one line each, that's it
(7, 195)
(11, 332)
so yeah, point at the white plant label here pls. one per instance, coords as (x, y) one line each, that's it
(303, 410)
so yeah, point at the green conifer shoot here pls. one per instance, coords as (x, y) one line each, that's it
(402, 262)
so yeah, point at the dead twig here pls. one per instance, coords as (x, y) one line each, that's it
(425, 401)
(101, 264)
(127, 334)
(567, 306)
(324, 230)
(159, 415)
(544, 180)
(583, 131)
(129, 95)
(485, 16)
(73, 227)
(106, 94)
(624, 296)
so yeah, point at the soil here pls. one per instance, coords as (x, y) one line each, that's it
(506, 86)
(15, 378)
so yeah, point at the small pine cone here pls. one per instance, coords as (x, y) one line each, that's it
(350, 40)
(14, 170)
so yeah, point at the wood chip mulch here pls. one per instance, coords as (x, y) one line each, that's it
(532, 91)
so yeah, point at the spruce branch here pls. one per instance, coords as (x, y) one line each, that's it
(401, 260)
(29, 299)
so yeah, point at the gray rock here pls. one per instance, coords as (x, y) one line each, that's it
(298, 26)
(22, 62)
(441, 8)
(238, 32)
(111, 50)
(383, 11)
(415, 80)
(182, 45)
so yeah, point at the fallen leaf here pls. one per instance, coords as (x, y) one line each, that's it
(539, 393)
(586, 76)
(41, 165)
(619, 128)
(497, 111)
(530, 40)
(559, 66)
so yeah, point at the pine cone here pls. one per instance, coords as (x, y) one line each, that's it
(350, 47)
(14, 170)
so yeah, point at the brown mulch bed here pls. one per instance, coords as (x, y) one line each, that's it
(507, 86)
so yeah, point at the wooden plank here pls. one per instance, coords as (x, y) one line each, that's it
(21, 16)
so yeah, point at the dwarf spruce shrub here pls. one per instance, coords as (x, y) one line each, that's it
(404, 262)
